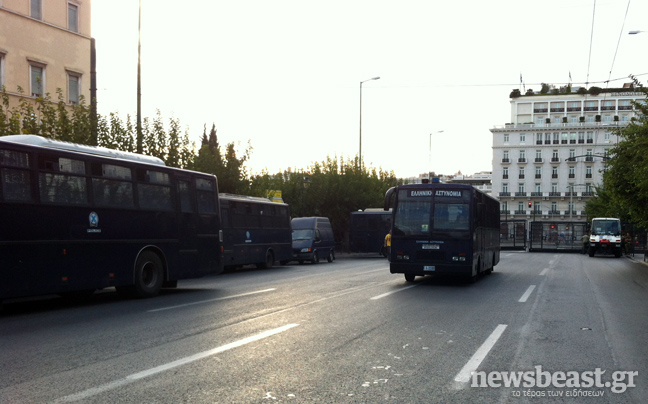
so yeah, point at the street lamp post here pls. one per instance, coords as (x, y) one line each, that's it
(430, 153)
(360, 149)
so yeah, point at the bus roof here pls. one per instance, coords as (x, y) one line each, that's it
(248, 198)
(35, 140)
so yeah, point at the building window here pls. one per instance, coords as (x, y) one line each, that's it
(572, 172)
(538, 172)
(36, 80)
(505, 187)
(522, 137)
(590, 137)
(74, 88)
(554, 172)
(522, 158)
(572, 154)
(73, 17)
(537, 188)
(506, 138)
(36, 9)
(554, 207)
(588, 172)
(505, 172)
(521, 175)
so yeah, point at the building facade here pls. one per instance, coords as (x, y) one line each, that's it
(45, 46)
(548, 160)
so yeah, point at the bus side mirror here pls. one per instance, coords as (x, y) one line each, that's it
(388, 197)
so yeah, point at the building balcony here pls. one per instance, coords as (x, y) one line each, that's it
(590, 108)
(536, 193)
(522, 160)
(538, 176)
(520, 194)
(573, 109)
(506, 160)
(554, 175)
(558, 109)
(520, 212)
(504, 193)
(572, 175)
(521, 176)
(554, 193)
(555, 159)
(538, 159)
(608, 108)
(625, 107)
(539, 110)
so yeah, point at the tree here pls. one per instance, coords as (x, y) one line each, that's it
(625, 178)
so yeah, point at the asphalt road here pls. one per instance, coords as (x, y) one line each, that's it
(343, 332)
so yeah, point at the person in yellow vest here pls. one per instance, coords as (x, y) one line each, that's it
(387, 244)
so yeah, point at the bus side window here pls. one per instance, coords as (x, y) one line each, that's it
(113, 187)
(154, 192)
(16, 181)
(62, 188)
(184, 194)
(205, 195)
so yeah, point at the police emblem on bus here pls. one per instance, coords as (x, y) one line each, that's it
(94, 219)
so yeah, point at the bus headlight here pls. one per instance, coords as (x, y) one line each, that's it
(458, 258)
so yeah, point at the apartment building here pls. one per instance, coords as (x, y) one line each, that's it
(549, 158)
(45, 45)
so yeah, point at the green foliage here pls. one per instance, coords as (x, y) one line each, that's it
(332, 188)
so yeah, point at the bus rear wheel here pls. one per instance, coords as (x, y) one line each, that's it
(410, 277)
(148, 276)
(269, 261)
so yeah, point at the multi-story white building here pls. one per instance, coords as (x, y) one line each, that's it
(548, 160)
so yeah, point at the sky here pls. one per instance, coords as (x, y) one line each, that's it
(284, 75)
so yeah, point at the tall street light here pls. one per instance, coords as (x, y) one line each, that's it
(360, 150)
(140, 142)
(430, 153)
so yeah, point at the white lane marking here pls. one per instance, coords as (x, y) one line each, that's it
(162, 368)
(473, 363)
(526, 294)
(210, 300)
(392, 292)
(544, 272)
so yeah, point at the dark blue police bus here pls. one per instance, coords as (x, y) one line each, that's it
(255, 231)
(443, 229)
(78, 218)
(367, 231)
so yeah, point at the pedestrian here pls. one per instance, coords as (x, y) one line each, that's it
(387, 244)
(627, 243)
(585, 240)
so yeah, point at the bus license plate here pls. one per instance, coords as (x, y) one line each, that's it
(430, 246)
(428, 268)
